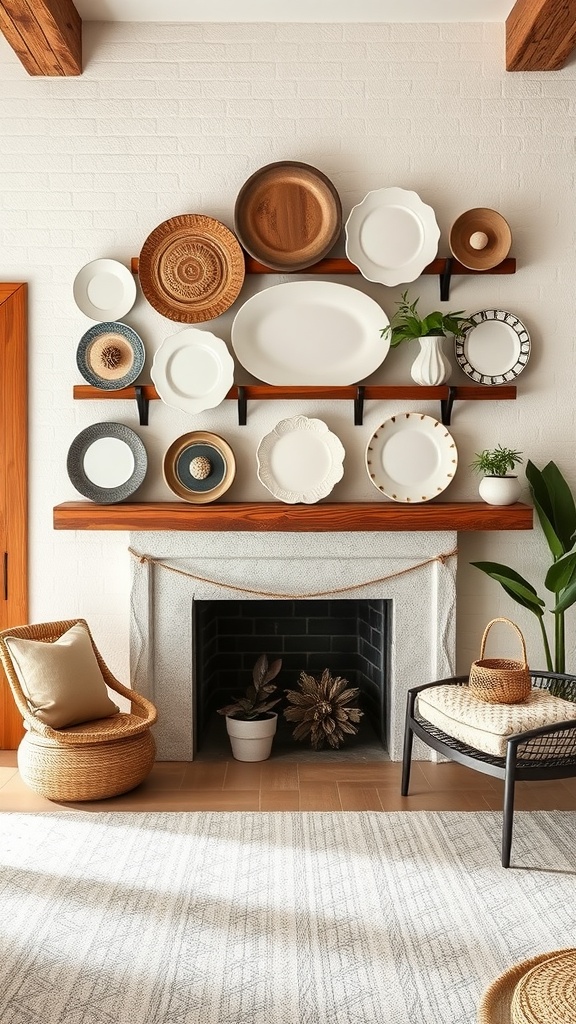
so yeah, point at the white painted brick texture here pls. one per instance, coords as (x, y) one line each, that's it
(172, 119)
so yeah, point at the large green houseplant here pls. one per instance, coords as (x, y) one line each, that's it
(556, 511)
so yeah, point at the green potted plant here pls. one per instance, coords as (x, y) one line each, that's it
(556, 511)
(250, 721)
(431, 365)
(498, 486)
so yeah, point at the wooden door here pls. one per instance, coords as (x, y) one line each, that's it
(13, 484)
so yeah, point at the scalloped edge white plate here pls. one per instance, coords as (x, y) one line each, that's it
(495, 349)
(192, 370)
(391, 236)
(310, 332)
(411, 457)
(104, 290)
(300, 460)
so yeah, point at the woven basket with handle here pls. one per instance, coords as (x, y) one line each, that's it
(500, 680)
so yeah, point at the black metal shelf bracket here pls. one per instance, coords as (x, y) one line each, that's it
(445, 279)
(143, 405)
(359, 406)
(242, 406)
(446, 406)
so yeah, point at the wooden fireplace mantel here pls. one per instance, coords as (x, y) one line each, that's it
(271, 516)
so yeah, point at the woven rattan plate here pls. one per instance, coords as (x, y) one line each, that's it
(557, 979)
(191, 268)
(288, 215)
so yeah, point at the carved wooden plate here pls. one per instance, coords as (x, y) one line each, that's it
(191, 268)
(288, 215)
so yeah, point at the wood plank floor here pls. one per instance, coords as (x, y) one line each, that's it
(229, 785)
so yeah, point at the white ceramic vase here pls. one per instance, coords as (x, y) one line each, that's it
(499, 490)
(252, 740)
(431, 365)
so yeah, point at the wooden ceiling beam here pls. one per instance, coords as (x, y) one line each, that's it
(45, 34)
(540, 34)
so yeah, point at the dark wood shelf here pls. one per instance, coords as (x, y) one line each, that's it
(341, 265)
(376, 392)
(271, 516)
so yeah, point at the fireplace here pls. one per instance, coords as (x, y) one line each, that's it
(177, 575)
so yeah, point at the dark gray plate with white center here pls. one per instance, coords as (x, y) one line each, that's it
(107, 462)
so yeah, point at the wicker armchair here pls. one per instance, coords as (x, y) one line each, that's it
(545, 753)
(92, 761)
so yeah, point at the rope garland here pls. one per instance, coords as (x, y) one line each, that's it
(442, 559)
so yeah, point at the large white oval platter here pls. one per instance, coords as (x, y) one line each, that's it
(310, 332)
(411, 457)
(391, 236)
(192, 370)
(300, 460)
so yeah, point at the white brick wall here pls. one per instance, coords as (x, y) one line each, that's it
(173, 119)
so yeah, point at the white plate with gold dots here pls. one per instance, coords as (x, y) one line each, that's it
(411, 457)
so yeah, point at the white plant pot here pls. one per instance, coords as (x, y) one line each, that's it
(500, 490)
(252, 740)
(431, 365)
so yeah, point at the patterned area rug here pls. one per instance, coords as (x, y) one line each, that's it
(278, 918)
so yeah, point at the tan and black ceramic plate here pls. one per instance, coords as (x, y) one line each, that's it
(199, 466)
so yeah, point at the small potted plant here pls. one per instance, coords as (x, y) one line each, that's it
(431, 365)
(498, 486)
(250, 721)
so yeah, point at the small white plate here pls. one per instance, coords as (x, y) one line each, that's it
(411, 457)
(495, 349)
(300, 460)
(104, 290)
(391, 236)
(310, 332)
(192, 370)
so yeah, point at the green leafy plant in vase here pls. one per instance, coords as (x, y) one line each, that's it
(250, 721)
(499, 486)
(431, 365)
(556, 511)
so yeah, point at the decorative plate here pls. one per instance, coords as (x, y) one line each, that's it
(191, 268)
(107, 462)
(110, 356)
(192, 370)
(310, 332)
(300, 460)
(199, 466)
(104, 290)
(391, 236)
(480, 238)
(495, 349)
(288, 215)
(411, 457)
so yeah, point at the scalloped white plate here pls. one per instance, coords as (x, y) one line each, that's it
(411, 457)
(300, 460)
(391, 236)
(192, 370)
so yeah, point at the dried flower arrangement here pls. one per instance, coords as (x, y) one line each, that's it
(320, 707)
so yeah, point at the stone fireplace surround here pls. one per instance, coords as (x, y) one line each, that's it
(422, 629)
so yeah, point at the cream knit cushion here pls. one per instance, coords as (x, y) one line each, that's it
(486, 727)
(62, 681)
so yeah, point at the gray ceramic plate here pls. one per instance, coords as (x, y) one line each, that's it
(107, 462)
(110, 356)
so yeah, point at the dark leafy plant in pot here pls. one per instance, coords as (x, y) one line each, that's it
(407, 324)
(556, 511)
(256, 702)
(496, 461)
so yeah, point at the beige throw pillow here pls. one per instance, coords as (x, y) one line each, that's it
(62, 681)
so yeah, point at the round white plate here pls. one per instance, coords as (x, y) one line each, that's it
(300, 460)
(104, 290)
(310, 332)
(107, 462)
(495, 349)
(391, 236)
(192, 370)
(411, 457)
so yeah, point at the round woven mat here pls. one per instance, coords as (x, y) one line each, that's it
(191, 268)
(496, 1003)
(547, 992)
